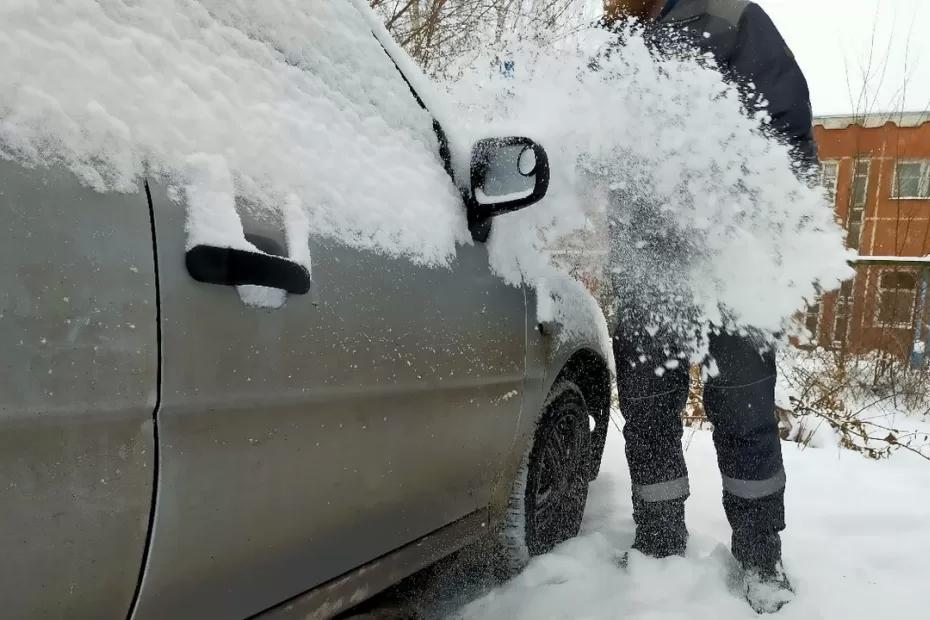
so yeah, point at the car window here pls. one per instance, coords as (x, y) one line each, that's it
(379, 149)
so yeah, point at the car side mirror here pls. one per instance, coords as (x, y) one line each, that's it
(507, 174)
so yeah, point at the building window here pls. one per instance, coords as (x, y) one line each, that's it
(829, 175)
(860, 192)
(812, 319)
(897, 294)
(841, 314)
(812, 316)
(912, 179)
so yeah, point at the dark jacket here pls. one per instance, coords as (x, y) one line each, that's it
(752, 54)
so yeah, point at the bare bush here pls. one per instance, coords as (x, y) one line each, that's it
(870, 403)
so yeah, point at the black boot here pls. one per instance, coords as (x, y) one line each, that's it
(757, 524)
(765, 591)
(660, 528)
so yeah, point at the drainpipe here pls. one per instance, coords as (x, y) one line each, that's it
(921, 346)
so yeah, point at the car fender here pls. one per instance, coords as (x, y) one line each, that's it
(567, 340)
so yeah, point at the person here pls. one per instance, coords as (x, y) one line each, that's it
(652, 374)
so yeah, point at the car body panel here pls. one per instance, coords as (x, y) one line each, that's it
(580, 355)
(300, 442)
(362, 583)
(78, 386)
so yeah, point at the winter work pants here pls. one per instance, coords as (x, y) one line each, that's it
(740, 402)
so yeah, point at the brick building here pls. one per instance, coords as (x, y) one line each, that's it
(876, 169)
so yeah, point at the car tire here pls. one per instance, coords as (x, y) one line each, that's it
(549, 495)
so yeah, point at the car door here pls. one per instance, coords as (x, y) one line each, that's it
(78, 385)
(298, 443)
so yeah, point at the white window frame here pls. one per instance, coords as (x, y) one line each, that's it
(923, 188)
(878, 301)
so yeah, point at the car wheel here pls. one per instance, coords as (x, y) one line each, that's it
(551, 489)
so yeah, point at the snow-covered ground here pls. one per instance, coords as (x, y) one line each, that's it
(857, 546)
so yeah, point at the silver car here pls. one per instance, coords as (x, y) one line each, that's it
(167, 451)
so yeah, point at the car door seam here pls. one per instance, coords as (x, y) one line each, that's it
(146, 552)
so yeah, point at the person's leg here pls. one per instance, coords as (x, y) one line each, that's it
(740, 402)
(651, 403)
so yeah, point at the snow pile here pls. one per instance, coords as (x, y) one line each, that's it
(733, 233)
(856, 547)
(282, 104)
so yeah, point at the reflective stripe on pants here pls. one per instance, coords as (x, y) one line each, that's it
(663, 491)
(755, 489)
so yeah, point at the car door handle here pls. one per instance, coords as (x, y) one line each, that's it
(233, 267)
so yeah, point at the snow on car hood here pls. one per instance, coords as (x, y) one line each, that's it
(283, 103)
